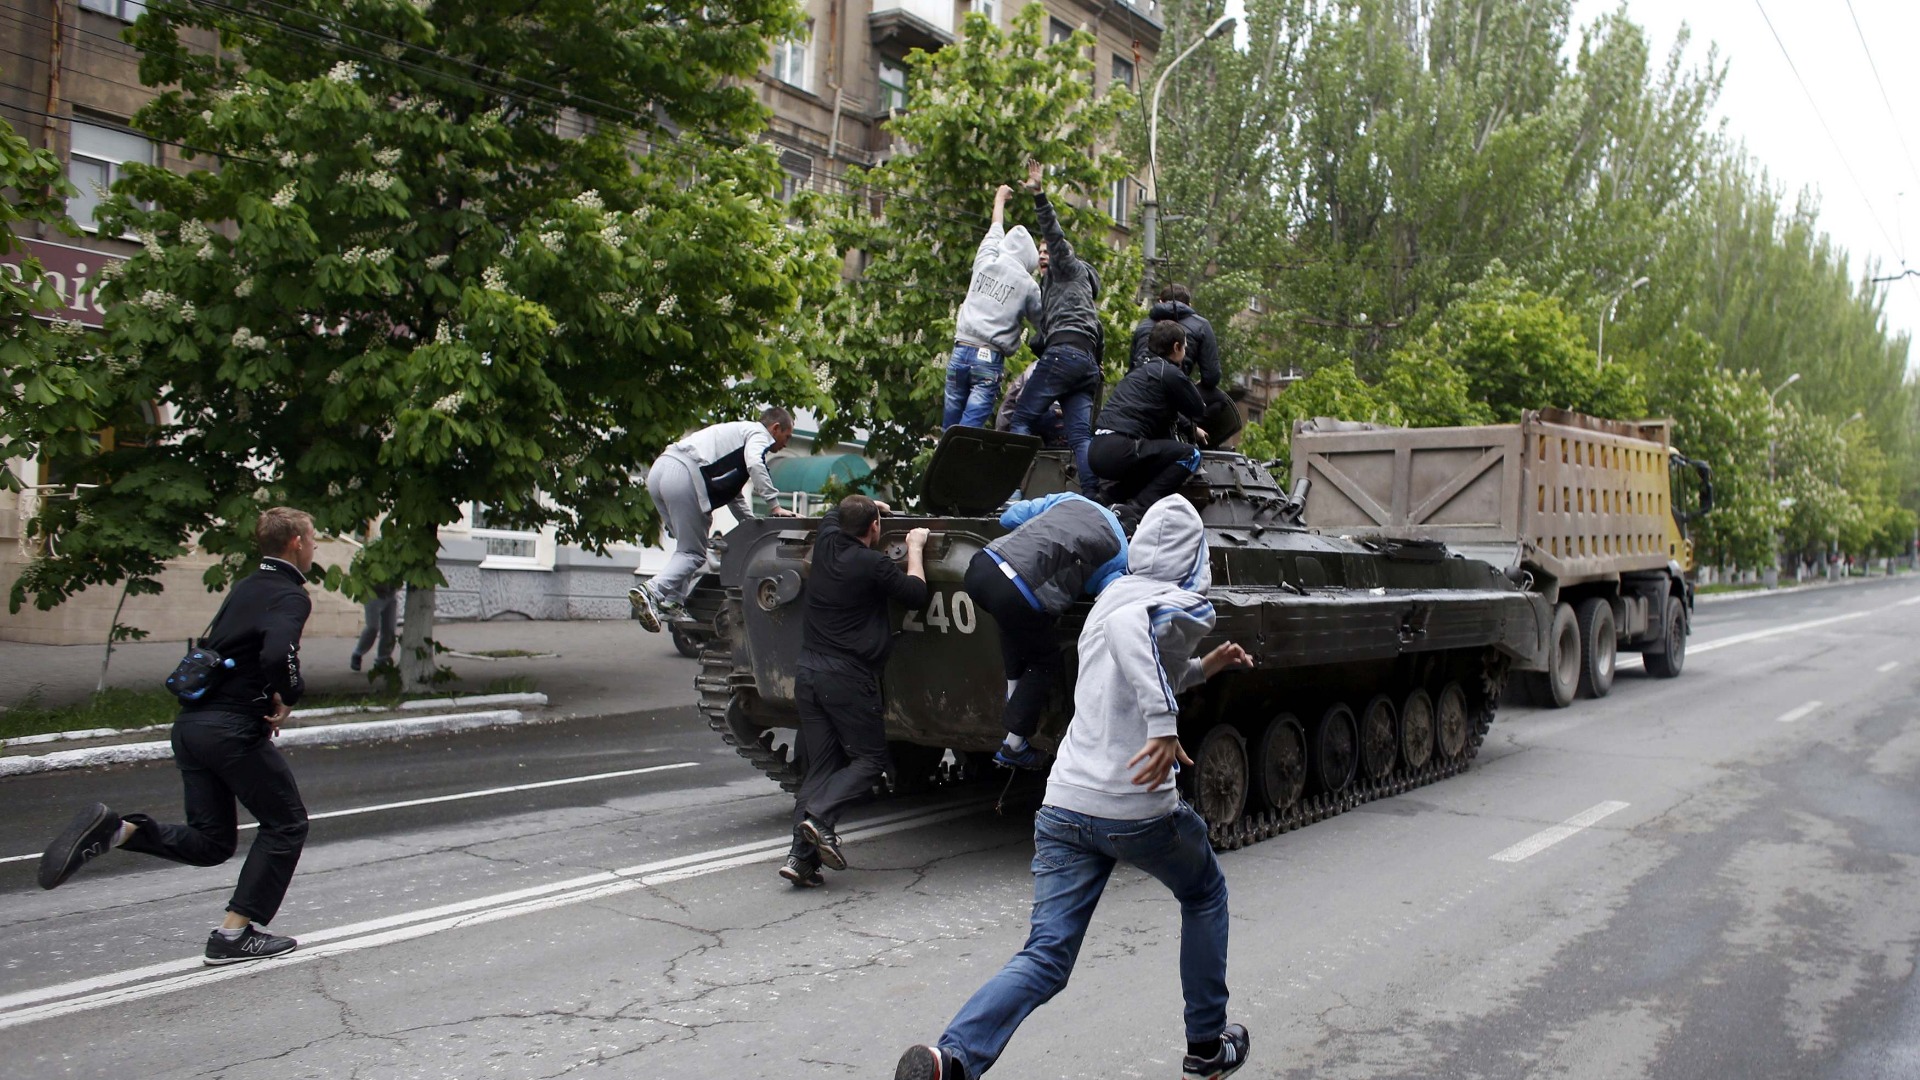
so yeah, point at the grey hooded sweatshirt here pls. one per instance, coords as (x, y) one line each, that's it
(1003, 292)
(1136, 656)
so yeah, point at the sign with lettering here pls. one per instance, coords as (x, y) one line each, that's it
(74, 274)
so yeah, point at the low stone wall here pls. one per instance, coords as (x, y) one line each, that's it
(579, 586)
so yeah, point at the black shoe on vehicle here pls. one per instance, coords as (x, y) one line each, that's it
(802, 873)
(252, 944)
(828, 844)
(928, 1063)
(1232, 1054)
(89, 834)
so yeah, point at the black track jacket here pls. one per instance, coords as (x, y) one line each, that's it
(259, 630)
(847, 594)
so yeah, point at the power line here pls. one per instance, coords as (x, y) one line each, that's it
(1886, 100)
(1818, 115)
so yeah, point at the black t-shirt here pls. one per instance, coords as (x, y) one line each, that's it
(259, 630)
(847, 595)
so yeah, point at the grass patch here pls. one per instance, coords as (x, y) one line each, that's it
(1709, 590)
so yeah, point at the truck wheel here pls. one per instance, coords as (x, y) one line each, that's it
(685, 643)
(1598, 646)
(1672, 656)
(1555, 686)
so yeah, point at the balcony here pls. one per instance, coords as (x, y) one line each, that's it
(907, 24)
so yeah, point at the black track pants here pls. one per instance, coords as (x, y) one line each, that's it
(225, 757)
(1029, 646)
(843, 742)
(1141, 471)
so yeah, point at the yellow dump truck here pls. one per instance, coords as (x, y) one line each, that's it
(1577, 508)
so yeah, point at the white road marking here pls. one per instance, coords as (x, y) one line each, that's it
(1800, 713)
(1888, 666)
(103, 991)
(1546, 838)
(1776, 631)
(1908, 602)
(456, 797)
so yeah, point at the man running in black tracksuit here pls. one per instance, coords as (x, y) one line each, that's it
(223, 746)
(843, 735)
(1222, 421)
(1134, 448)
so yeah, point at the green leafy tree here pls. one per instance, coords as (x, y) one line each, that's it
(1335, 391)
(1721, 417)
(452, 253)
(977, 111)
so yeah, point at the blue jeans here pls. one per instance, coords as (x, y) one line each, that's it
(973, 384)
(1070, 377)
(1073, 855)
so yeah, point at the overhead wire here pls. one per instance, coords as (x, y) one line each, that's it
(1885, 98)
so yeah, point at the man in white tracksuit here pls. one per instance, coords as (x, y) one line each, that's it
(987, 329)
(708, 468)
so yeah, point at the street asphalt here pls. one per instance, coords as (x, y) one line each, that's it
(1714, 876)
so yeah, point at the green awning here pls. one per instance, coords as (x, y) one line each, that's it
(811, 473)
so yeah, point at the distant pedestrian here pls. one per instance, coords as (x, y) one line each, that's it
(1136, 450)
(1072, 338)
(848, 633)
(223, 746)
(708, 468)
(1222, 420)
(382, 614)
(1001, 295)
(1061, 546)
(1111, 799)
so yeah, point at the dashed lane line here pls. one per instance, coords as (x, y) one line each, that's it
(120, 988)
(1546, 838)
(1888, 666)
(1799, 713)
(456, 797)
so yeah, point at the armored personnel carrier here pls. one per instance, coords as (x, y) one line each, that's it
(1379, 661)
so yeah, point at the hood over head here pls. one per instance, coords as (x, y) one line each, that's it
(1171, 546)
(1018, 244)
(1169, 309)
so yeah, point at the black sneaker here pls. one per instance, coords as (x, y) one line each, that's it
(353, 662)
(828, 844)
(802, 873)
(252, 944)
(1232, 1054)
(928, 1063)
(90, 833)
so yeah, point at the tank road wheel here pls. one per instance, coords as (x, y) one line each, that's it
(1220, 776)
(1378, 746)
(1672, 656)
(1280, 763)
(1554, 687)
(1598, 646)
(1451, 724)
(1336, 749)
(1416, 730)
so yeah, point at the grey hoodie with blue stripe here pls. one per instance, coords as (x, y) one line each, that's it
(1136, 656)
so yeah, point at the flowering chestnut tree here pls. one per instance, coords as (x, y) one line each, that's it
(440, 253)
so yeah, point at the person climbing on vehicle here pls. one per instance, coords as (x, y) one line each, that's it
(708, 468)
(986, 331)
(1222, 420)
(1111, 799)
(1051, 427)
(1135, 449)
(1061, 546)
(1071, 338)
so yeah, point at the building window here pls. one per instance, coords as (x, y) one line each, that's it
(1058, 31)
(799, 174)
(893, 86)
(94, 164)
(124, 10)
(1117, 201)
(989, 8)
(790, 59)
(1122, 72)
(507, 548)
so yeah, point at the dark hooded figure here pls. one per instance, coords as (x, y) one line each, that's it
(1222, 419)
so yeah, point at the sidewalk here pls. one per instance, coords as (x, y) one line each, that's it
(601, 668)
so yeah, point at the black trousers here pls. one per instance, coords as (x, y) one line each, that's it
(1029, 646)
(225, 757)
(1141, 471)
(843, 742)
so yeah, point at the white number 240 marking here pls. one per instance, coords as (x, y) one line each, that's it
(962, 618)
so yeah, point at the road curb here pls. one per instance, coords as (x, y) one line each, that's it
(454, 702)
(1794, 590)
(363, 731)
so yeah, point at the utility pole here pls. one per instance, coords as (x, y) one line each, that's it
(1150, 209)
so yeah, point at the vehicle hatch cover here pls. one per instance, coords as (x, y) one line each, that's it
(974, 470)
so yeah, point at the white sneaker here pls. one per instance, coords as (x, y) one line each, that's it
(645, 609)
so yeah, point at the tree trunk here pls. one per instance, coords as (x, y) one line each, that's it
(417, 663)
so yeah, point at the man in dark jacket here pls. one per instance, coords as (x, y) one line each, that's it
(223, 746)
(1071, 338)
(1222, 420)
(1135, 449)
(848, 633)
(1061, 546)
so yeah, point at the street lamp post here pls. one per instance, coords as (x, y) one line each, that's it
(1600, 345)
(1771, 575)
(1150, 208)
(1833, 552)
